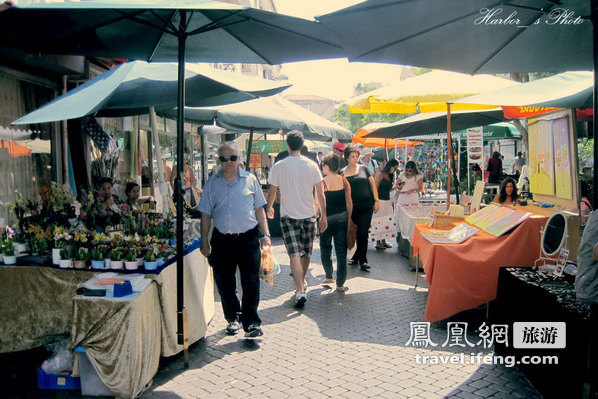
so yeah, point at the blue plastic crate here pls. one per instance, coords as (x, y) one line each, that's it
(62, 380)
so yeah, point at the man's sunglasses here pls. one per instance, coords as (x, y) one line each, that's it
(224, 158)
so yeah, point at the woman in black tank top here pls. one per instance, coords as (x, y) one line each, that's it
(338, 206)
(365, 202)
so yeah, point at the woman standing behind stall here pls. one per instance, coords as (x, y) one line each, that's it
(338, 206)
(383, 225)
(508, 193)
(409, 183)
(364, 195)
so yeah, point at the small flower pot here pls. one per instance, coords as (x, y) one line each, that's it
(107, 263)
(139, 261)
(173, 241)
(116, 264)
(98, 264)
(79, 264)
(132, 265)
(55, 256)
(160, 261)
(65, 263)
(10, 259)
(150, 265)
(1, 258)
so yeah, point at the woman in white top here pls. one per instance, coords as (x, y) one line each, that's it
(409, 183)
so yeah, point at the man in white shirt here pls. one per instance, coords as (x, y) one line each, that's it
(368, 161)
(296, 176)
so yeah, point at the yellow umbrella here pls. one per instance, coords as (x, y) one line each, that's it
(429, 92)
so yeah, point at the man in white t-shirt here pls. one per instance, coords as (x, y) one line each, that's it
(296, 176)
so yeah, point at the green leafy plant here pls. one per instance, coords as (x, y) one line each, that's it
(8, 248)
(150, 257)
(82, 254)
(131, 256)
(116, 255)
(65, 253)
(97, 254)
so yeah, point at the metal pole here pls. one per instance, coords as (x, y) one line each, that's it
(162, 184)
(449, 148)
(249, 148)
(182, 337)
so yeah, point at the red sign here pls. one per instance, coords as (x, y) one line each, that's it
(525, 112)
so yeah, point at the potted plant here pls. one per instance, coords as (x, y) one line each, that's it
(81, 258)
(97, 259)
(65, 258)
(150, 261)
(8, 251)
(116, 258)
(131, 260)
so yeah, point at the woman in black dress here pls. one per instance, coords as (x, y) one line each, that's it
(365, 202)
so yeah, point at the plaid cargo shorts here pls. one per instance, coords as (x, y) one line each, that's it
(298, 235)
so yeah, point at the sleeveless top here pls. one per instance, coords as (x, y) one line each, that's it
(384, 187)
(361, 191)
(335, 202)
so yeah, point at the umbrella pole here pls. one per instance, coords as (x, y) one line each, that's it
(162, 185)
(449, 148)
(249, 148)
(182, 332)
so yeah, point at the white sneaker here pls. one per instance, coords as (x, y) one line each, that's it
(300, 299)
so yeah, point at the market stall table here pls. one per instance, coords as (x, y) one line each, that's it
(121, 338)
(463, 276)
(38, 301)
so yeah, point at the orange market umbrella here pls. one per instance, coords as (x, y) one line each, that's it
(359, 138)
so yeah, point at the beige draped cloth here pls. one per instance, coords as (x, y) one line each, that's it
(121, 338)
(36, 303)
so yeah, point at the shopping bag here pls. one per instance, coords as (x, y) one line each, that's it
(351, 234)
(267, 266)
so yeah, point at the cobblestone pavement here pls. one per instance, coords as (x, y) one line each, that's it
(348, 345)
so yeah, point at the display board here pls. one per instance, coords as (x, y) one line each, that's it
(552, 146)
(541, 158)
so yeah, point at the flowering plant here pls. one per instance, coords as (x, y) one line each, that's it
(62, 237)
(8, 248)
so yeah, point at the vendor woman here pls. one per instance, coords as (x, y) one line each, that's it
(109, 207)
(508, 193)
(134, 201)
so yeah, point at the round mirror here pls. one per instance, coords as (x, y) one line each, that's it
(554, 234)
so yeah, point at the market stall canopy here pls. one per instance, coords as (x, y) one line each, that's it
(496, 131)
(482, 36)
(266, 115)
(131, 88)
(435, 122)
(359, 137)
(428, 92)
(565, 90)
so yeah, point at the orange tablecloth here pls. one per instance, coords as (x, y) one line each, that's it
(463, 276)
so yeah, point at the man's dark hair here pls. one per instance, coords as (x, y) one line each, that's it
(295, 140)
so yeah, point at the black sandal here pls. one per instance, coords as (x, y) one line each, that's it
(365, 266)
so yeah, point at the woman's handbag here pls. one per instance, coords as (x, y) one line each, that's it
(351, 234)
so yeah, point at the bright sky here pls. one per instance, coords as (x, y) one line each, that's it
(330, 78)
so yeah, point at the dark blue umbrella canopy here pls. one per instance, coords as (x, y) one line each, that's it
(150, 30)
(481, 36)
(133, 87)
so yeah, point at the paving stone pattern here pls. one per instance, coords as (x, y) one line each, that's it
(350, 345)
